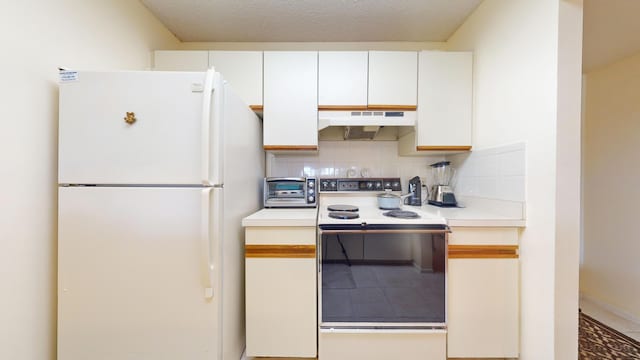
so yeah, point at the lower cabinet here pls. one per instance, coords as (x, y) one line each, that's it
(281, 292)
(483, 293)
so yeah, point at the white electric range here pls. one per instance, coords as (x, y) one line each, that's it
(381, 280)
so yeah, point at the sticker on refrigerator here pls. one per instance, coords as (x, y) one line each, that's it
(68, 76)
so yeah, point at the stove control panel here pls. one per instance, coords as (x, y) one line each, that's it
(363, 184)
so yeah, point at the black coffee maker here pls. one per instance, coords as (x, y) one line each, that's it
(415, 198)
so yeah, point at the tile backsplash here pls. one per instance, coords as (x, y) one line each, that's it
(352, 159)
(494, 173)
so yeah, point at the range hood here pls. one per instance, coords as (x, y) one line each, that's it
(366, 125)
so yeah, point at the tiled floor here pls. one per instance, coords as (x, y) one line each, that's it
(605, 316)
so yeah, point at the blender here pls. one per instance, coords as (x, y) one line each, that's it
(441, 193)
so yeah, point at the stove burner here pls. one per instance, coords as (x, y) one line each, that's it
(385, 208)
(349, 208)
(402, 214)
(343, 215)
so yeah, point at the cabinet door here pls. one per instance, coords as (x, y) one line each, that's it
(281, 291)
(483, 308)
(290, 100)
(342, 78)
(444, 100)
(243, 71)
(281, 307)
(178, 60)
(393, 79)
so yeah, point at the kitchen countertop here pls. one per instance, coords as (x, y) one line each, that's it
(282, 217)
(477, 212)
(470, 217)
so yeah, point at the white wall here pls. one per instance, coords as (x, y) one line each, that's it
(611, 271)
(37, 36)
(568, 178)
(516, 64)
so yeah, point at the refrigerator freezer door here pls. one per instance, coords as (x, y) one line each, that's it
(134, 128)
(132, 275)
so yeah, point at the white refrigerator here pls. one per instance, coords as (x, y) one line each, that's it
(156, 171)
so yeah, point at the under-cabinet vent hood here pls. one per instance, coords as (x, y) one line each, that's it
(367, 125)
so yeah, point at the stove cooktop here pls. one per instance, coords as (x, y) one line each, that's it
(341, 207)
(343, 215)
(402, 214)
(370, 214)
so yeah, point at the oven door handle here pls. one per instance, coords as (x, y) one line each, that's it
(447, 230)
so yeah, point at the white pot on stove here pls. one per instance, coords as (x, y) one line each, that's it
(389, 201)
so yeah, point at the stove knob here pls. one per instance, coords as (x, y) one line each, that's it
(396, 185)
(311, 184)
(369, 185)
(378, 185)
(311, 199)
(311, 191)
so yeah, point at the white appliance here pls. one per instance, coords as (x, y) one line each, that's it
(156, 171)
(381, 275)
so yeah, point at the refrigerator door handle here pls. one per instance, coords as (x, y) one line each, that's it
(205, 223)
(206, 124)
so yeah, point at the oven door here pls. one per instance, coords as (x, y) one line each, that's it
(382, 277)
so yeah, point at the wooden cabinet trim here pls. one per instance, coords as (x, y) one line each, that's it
(290, 147)
(367, 108)
(280, 251)
(256, 107)
(392, 107)
(483, 251)
(444, 148)
(342, 107)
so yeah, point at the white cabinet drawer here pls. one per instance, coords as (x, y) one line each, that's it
(285, 235)
(483, 236)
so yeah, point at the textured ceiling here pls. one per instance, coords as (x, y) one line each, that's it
(611, 28)
(611, 31)
(311, 20)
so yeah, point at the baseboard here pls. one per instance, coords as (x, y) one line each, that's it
(623, 314)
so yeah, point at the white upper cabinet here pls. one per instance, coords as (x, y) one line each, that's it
(290, 100)
(444, 100)
(445, 95)
(179, 60)
(243, 70)
(342, 79)
(393, 78)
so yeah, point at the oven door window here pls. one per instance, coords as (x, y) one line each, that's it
(283, 190)
(383, 279)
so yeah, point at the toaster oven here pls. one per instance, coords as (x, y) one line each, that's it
(290, 192)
